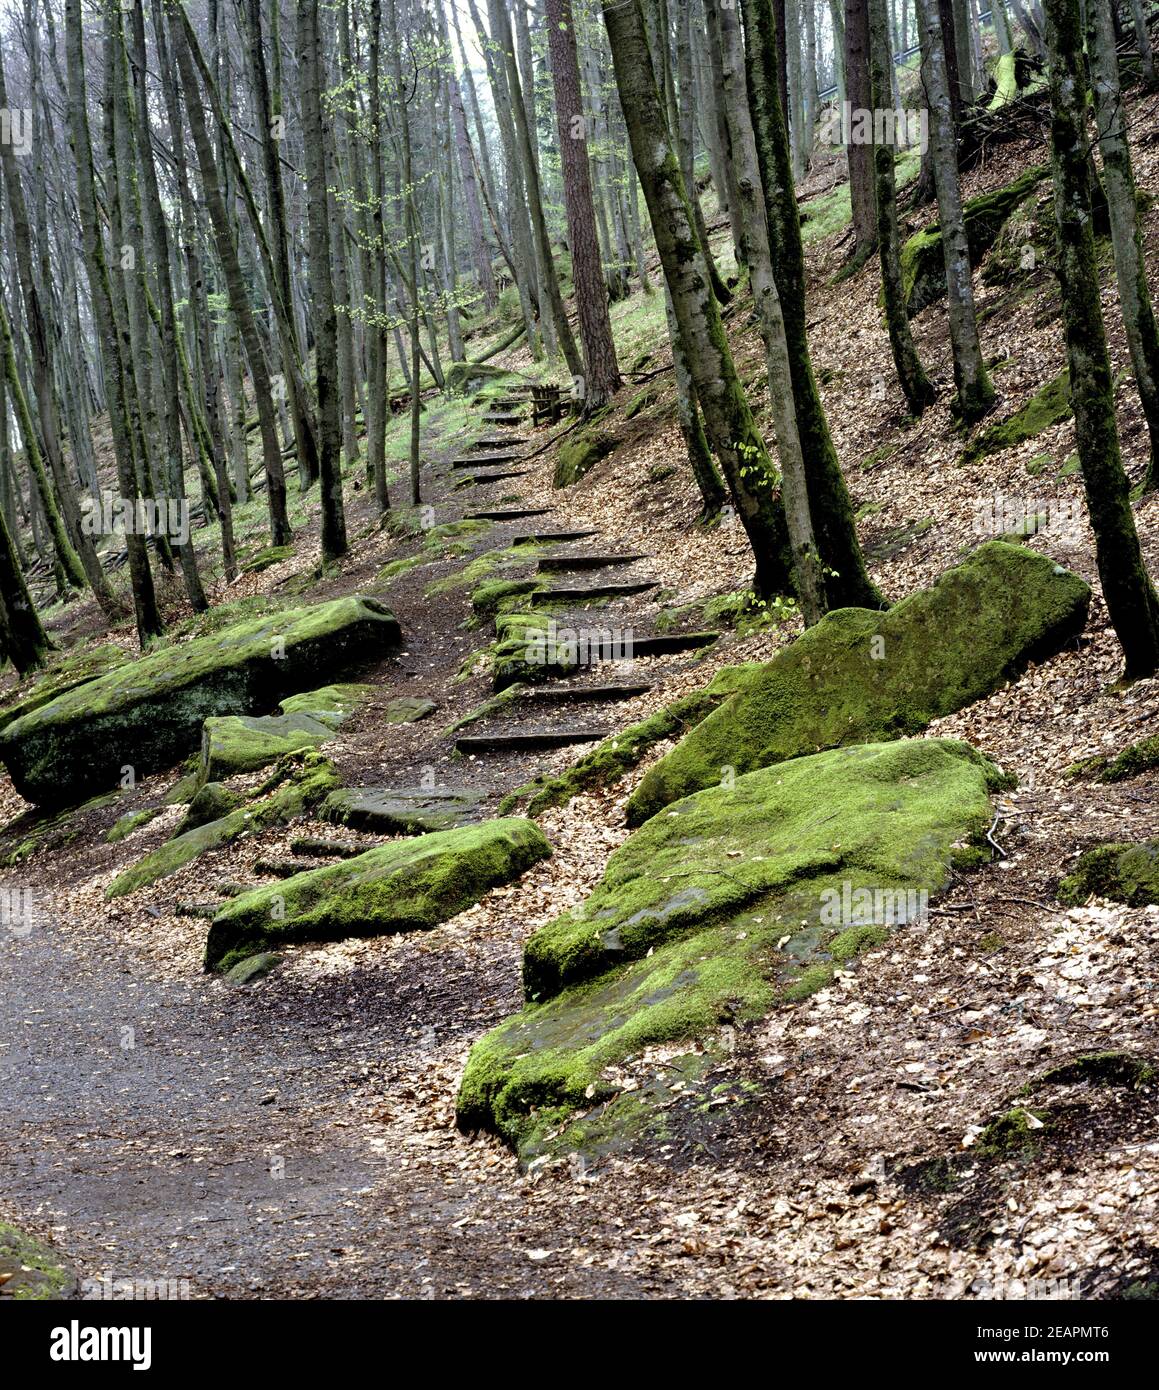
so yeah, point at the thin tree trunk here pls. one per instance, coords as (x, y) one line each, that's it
(1126, 236)
(975, 394)
(1129, 595)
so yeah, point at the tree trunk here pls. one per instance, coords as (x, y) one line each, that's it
(727, 416)
(324, 314)
(591, 297)
(847, 583)
(975, 394)
(794, 486)
(141, 577)
(1130, 598)
(858, 151)
(915, 384)
(1119, 185)
(280, 533)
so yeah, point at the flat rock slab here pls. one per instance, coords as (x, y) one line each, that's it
(402, 810)
(147, 714)
(741, 897)
(408, 885)
(407, 709)
(74, 669)
(236, 743)
(860, 675)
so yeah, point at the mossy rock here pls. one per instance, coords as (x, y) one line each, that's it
(211, 801)
(401, 810)
(1127, 873)
(923, 268)
(266, 559)
(743, 896)
(149, 713)
(616, 756)
(579, 455)
(32, 1270)
(859, 675)
(1049, 406)
(307, 786)
(407, 709)
(1133, 761)
(640, 402)
(64, 673)
(233, 743)
(253, 968)
(131, 821)
(524, 652)
(466, 378)
(410, 885)
(491, 595)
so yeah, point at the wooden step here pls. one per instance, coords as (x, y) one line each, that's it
(501, 419)
(483, 460)
(639, 586)
(499, 442)
(581, 694)
(511, 515)
(671, 642)
(546, 537)
(482, 479)
(585, 562)
(515, 741)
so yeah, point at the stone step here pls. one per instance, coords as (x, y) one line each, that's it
(482, 460)
(497, 418)
(514, 741)
(585, 562)
(546, 537)
(609, 590)
(581, 694)
(512, 515)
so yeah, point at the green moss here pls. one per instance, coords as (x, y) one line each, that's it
(410, 885)
(641, 401)
(1101, 1069)
(34, 1271)
(233, 744)
(861, 675)
(1012, 1135)
(210, 802)
(266, 559)
(1133, 761)
(1049, 406)
(132, 820)
(65, 671)
(308, 786)
(1126, 873)
(923, 269)
(616, 756)
(579, 454)
(253, 968)
(148, 713)
(731, 902)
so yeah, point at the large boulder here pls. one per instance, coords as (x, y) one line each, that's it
(410, 885)
(738, 898)
(860, 675)
(149, 713)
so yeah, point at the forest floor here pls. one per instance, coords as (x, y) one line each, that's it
(297, 1138)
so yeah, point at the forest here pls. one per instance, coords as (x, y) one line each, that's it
(579, 661)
